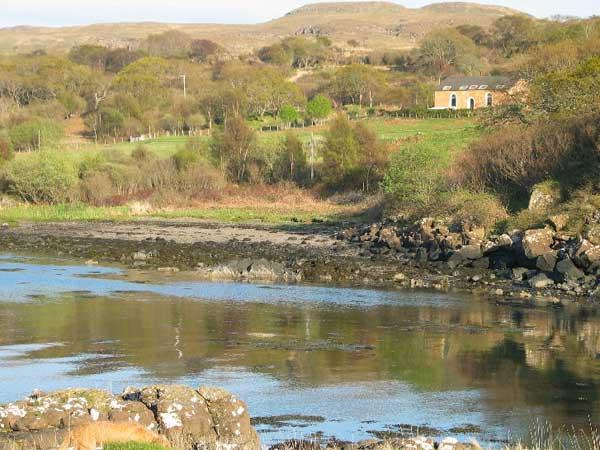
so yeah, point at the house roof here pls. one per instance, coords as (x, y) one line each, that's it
(459, 83)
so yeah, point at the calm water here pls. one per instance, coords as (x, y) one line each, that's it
(357, 361)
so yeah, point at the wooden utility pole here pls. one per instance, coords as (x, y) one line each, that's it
(184, 85)
(312, 156)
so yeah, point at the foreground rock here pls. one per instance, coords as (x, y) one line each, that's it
(207, 418)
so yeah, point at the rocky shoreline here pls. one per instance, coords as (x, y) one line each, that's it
(530, 268)
(191, 419)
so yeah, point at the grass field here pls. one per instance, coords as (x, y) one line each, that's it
(133, 446)
(445, 133)
(273, 205)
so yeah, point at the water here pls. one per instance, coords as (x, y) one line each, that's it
(308, 360)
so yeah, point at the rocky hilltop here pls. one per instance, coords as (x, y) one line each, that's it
(376, 25)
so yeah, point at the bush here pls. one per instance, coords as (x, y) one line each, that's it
(319, 108)
(512, 160)
(353, 156)
(195, 149)
(288, 115)
(117, 180)
(43, 177)
(200, 179)
(185, 157)
(6, 150)
(474, 208)
(414, 175)
(34, 134)
(291, 163)
(97, 189)
(234, 147)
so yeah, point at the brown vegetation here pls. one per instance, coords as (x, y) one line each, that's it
(512, 160)
(373, 24)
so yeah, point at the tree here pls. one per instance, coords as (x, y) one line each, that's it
(45, 177)
(291, 164)
(476, 33)
(353, 156)
(513, 34)
(373, 157)
(145, 80)
(296, 51)
(202, 49)
(340, 153)
(6, 150)
(222, 101)
(442, 52)
(233, 148)
(563, 93)
(168, 44)
(288, 114)
(276, 54)
(89, 55)
(35, 134)
(356, 83)
(318, 108)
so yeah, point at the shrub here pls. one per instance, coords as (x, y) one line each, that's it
(291, 163)
(233, 148)
(200, 179)
(414, 175)
(185, 157)
(512, 160)
(6, 150)
(353, 156)
(340, 153)
(288, 115)
(35, 134)
(141, 154)
(195, 149)
(96, 188)
(475, 208)
(319, 108)
(44, 177)
(523, 220)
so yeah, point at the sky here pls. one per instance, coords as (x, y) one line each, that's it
(77, 12)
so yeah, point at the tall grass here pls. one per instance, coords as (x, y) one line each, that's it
(543, 436)
(133, 446)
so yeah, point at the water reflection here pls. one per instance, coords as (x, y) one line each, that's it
(350, 356)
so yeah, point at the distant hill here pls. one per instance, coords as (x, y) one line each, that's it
(375, 25)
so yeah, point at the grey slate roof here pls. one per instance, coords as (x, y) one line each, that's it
(460, 83)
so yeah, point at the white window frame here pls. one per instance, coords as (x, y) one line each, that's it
(489, 99)
(471, 101)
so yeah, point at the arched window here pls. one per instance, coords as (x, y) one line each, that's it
(471, 103)
(453, 101)
(489, 99)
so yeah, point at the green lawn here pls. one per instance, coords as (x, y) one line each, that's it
(133, 446)
(443, 132)
(85, 213)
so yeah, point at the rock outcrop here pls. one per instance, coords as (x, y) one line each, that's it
(536, 259)
(208, 418)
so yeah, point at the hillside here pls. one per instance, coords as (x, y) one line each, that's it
(373, 24)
